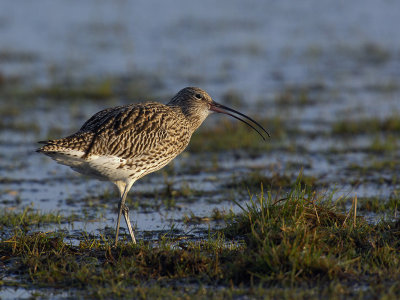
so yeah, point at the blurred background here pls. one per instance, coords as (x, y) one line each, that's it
(322, 76)
(257, 48)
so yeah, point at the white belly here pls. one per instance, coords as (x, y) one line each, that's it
(107, 167)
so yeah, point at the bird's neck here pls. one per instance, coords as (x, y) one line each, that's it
(193, 119)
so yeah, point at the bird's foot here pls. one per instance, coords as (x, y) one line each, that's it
(125, 211)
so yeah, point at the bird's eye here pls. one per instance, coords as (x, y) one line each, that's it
(198, 96)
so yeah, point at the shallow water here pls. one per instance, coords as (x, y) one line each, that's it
(342, 55)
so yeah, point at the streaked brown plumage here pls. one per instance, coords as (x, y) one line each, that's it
(124, 143)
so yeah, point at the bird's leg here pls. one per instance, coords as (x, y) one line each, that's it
(125, 211)
(123, 190)
(120, 207)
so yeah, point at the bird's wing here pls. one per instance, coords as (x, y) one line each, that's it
(80, 140)
(143, 129)
(99, 118)
(128, 131)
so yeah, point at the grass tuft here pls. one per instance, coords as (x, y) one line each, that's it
(28, 217)
(303, 240)
(363, 126)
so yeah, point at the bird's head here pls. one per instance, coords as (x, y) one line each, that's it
(196, 105)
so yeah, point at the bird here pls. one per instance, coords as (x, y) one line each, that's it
(124, 143)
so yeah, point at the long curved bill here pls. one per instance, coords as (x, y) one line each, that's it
(219, 108)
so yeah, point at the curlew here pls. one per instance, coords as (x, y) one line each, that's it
(124, 143)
